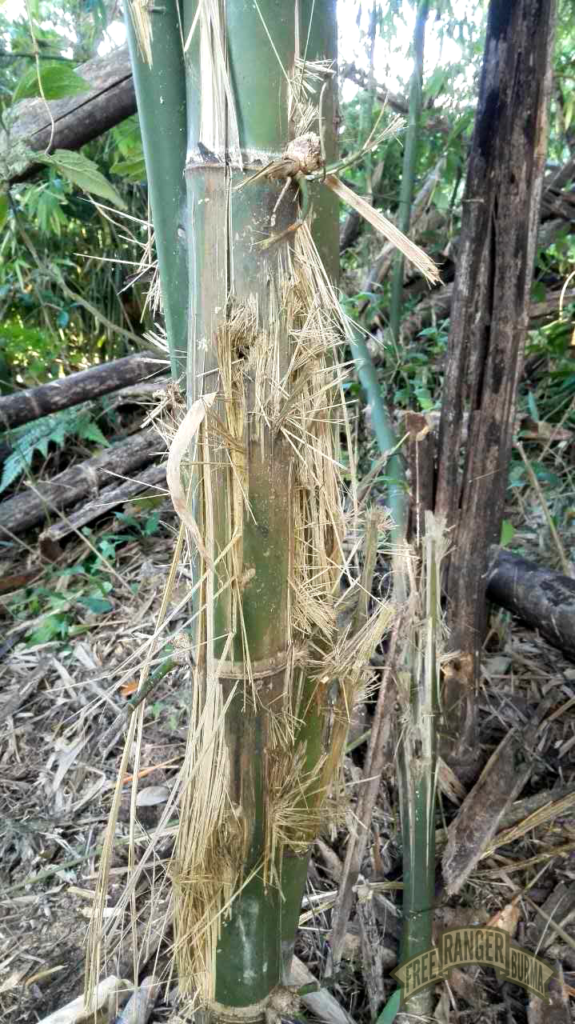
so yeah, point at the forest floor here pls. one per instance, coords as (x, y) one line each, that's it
(60, 696)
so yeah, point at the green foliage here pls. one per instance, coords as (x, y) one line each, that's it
(553, 343)
(507, 533)
(49, 219)
(83, 172)
(59, 604)
(53, 82)
(4, 208)
(55, 429)
(44, 203)
(128, 139)
(29, 351)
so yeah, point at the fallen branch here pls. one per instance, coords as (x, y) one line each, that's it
(543, 599)
(77, 119)
(32, 403)
(28, 508)
(437, 306)
(115, 494)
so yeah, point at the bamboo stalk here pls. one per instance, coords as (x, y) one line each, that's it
(417, 685)
(409, 160)
(241, 340)
(160, 93)
(417, 760)
(397, 494)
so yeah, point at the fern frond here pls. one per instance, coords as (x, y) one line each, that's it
(56, 428)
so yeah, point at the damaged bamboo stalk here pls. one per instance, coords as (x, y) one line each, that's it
(252, 306)
(265, 520)
(417, 685)
(254, 475)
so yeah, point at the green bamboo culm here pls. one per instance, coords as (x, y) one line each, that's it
(409, 161)
(158, 69)
(417, 679)
(387, 442)
(265, 491)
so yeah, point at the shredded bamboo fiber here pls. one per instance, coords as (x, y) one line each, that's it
(291, 410)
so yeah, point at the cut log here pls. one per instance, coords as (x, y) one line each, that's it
(29, 508)
(123, 490)
(543, 599)
(77, 119)
(31, 404)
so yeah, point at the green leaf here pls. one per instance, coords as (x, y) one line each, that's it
(133, 170)
(58, 80)
(436, 82)
(83, 172)
(126, 520)
(4, 209)
(152, 524)
(96, 604)
(13, 467)
(391, 1008)
(90, 431)
(532, 406)
(507, 533)
(52, 626)
(42, 445)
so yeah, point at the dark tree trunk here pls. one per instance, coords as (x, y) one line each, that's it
(31, 404)
(488, 325)
(29, 508)
(77, 119)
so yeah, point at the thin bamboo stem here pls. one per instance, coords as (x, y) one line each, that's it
(409, 160)
(384, 433)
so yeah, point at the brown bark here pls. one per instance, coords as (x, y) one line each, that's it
(29, 508)
(31, 404)
(77, 119)
(543, 599)
(350, 231)
(115, 494)
(488, 324)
